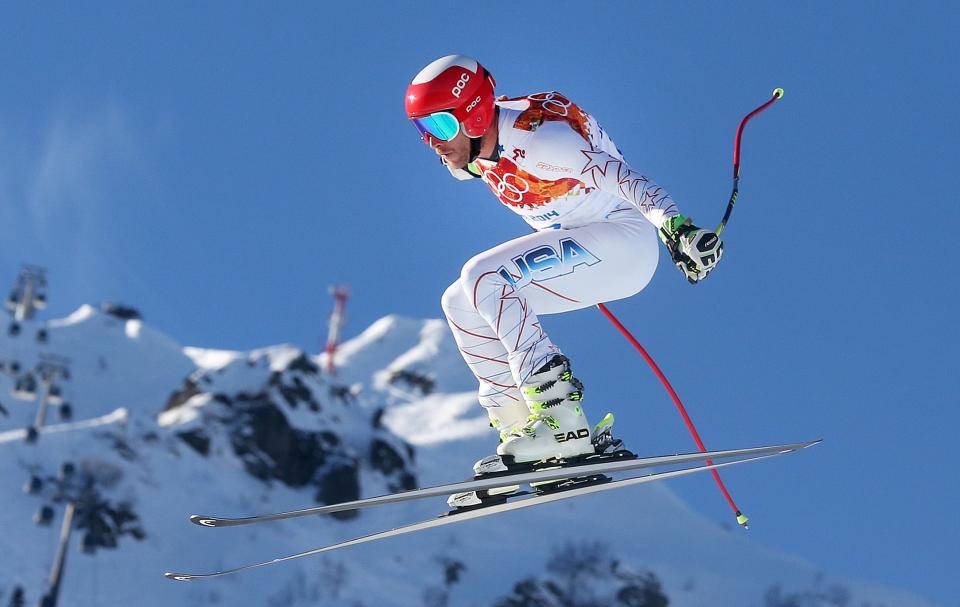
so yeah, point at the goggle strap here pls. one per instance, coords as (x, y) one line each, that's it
(474, 148)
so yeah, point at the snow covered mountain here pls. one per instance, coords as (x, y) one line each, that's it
(160, 431)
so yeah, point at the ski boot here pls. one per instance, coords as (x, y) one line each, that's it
(557, 434)
(555, 430)
(605, 447)
(506, 419)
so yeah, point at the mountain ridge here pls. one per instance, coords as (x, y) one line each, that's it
(238, 433)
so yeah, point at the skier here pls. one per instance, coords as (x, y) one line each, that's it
(595, 220)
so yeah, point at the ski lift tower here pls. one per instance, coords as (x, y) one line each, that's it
(28, 295)
(340, 295)
(75, 490)
(50, 369)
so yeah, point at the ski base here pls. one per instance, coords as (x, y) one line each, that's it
(617, 461)
(510, 504)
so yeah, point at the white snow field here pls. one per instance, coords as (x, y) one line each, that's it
(400, 381)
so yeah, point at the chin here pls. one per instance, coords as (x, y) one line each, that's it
(455, 163)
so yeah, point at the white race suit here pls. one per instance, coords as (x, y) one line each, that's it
(595, 241)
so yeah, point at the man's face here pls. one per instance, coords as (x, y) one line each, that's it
(456, 152)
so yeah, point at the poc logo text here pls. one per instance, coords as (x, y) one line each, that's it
(458, 87)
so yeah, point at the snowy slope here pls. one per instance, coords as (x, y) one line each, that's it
(172, 431)
(113, 363)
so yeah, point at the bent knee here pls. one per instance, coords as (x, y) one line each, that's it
(479, 269)
(453, 298)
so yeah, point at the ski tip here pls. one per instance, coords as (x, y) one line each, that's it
(203, 520)
(803, 445)
(180, 577)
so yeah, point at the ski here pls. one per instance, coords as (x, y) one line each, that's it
(466, 515)
(585, 469)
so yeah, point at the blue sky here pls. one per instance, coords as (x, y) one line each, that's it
(219, 166)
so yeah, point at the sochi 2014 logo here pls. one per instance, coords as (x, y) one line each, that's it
(509, 187)
(552, 102)
(546, 262)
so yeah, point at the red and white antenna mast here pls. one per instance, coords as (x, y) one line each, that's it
(337, 320)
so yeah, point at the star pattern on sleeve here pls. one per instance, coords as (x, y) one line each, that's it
(613, 175)
(592, 166)
(629, 182)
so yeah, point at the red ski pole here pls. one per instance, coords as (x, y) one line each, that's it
(777, 94)
(676, 401)
(741, 519)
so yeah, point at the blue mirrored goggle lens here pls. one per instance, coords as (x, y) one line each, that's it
(442, 125)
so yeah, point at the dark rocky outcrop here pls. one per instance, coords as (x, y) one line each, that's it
(197, 439)
(121, 311)
(387, 460)
(340, 482)
(272, 449)
(104, 523)
(585, 575)
(187, 390)
(303, 364)
(417, 381)
(258, 429)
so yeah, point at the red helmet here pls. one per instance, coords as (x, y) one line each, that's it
(455, 84)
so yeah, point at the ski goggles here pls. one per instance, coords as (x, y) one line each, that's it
(439, 125)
